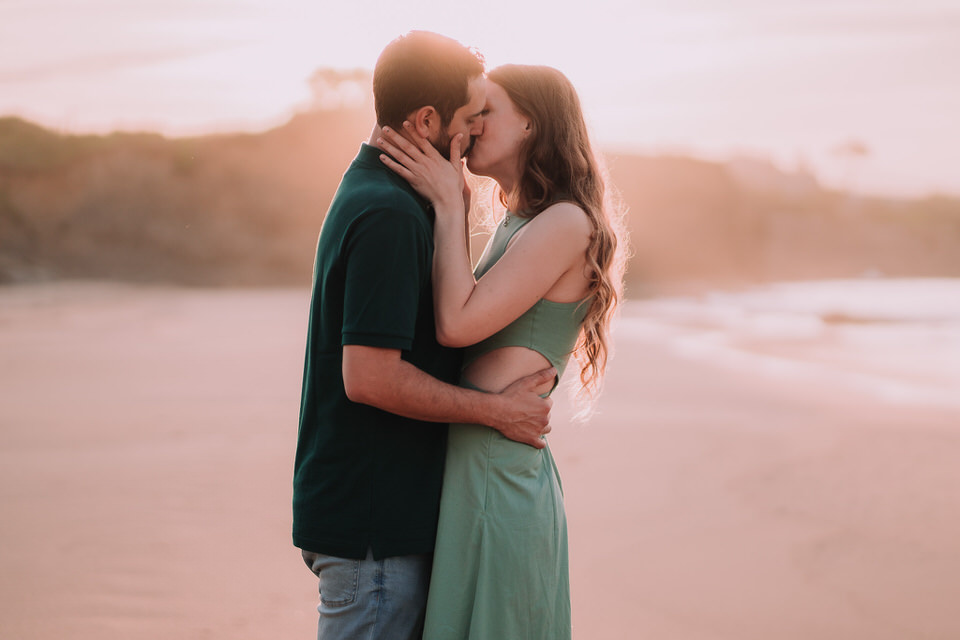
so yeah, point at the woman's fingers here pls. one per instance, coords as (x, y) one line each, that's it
(399, 154)
(397, 168)
(395, 141)
(455, 150)
(422, 144)
(398, 140)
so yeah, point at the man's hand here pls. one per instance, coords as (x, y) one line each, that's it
(525, 416)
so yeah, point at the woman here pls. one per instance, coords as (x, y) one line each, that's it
(546, 286)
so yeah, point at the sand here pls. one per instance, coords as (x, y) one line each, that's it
(146, 450)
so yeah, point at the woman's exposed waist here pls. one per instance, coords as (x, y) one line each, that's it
(496, 370)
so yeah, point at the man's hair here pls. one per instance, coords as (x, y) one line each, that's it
(421, 69)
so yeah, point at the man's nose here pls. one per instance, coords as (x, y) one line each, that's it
(477, 128)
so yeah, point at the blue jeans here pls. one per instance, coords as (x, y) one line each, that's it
(371, 599)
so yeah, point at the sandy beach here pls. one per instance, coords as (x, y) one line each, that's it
(146, 450)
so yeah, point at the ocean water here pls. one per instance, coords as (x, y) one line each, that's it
(896, 340)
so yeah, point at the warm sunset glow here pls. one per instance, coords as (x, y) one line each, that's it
(774, 453)
(791, 81)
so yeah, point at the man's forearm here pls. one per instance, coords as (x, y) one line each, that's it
(380, 378)
(401, 388)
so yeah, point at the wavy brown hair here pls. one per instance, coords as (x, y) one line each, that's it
(558, 165)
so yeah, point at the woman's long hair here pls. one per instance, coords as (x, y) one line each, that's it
(558, 165)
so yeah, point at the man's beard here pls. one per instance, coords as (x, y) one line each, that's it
(442, 145)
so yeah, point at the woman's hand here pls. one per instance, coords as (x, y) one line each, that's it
(437, 179)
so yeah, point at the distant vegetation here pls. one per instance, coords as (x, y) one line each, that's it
(229, 209)
(246, 210)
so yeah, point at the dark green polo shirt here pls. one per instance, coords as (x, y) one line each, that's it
(365, 478)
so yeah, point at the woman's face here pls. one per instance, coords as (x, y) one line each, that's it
(496, 151)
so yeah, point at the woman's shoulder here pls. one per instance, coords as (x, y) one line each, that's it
(565, 217)
(563, 227)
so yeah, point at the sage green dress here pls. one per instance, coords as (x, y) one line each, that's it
(500, 569)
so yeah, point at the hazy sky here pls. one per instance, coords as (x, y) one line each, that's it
(786, 79)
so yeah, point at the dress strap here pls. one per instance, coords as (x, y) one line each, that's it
(502, 235)
(514, 223)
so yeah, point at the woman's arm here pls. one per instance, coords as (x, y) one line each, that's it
(468, 311)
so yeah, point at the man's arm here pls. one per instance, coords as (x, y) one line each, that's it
(380, 378)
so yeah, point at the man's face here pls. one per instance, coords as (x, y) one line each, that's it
(467, 120)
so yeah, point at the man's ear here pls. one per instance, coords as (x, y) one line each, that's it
(426, 122)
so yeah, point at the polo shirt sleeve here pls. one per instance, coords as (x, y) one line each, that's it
(387, 262)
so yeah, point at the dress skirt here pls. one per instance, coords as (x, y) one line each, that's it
(500, 567)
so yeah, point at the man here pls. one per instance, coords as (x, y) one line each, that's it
(377, 385)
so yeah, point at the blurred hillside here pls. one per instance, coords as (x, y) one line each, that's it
(246, 209)
(724, 224)
(219, 209)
